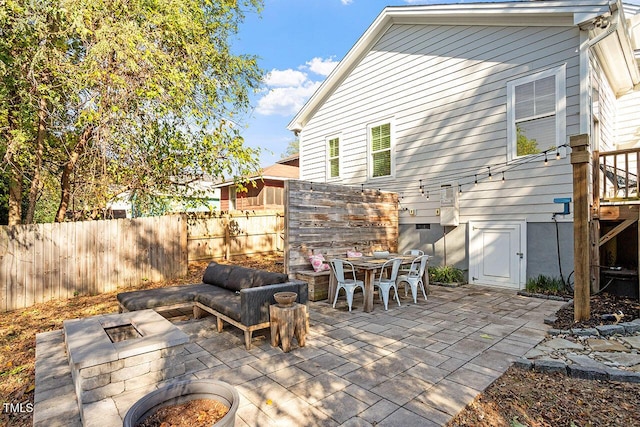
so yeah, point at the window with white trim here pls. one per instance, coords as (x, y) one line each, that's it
(333, 158)
(536, 113)
(381, 150)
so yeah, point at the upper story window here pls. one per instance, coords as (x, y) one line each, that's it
(381, 150)
(536, 113)
(333, 158)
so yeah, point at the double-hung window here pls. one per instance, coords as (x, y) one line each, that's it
(333, 158)
(536, 113)
(381, 150)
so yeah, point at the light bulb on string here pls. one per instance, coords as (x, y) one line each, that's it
(502, 176)
(476, 181)
(489, 167)
(546, 161)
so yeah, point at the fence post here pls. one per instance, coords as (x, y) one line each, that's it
(227, 237)
(580, 158)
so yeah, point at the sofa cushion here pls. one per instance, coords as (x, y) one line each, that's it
(221, 300)
(262, 278)
(239, 278)
(154, 298)
(217, 274)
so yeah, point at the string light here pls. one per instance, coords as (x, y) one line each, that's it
(362, 189)
(311, 189)
(503, 167)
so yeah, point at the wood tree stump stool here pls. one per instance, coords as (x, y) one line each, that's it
(287, 322)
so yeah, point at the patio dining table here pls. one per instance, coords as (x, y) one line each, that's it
(369, 265)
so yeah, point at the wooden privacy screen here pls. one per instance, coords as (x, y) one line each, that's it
(330, 219)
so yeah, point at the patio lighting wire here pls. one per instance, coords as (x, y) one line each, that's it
(473, 178)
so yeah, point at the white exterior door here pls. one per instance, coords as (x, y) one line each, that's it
(497, 255)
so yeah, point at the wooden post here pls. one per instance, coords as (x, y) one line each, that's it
(227, 237)
(580, 158)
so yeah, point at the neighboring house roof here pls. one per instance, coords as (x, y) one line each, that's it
(277, 172)
(289, 159)
(616, 52)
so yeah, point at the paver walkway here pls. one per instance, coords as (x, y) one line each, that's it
(415, 365)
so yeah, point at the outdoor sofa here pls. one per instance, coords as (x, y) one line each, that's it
(238, 295)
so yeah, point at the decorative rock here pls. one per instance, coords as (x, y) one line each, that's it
(585, 361)
(563, 344)
(545, 365)
(550, 320)
(606, 345)
(585, 332)
(523, 363)
(631, 327)
(619, 359)
(623, 376)
(633, 341)
(607, 330)
(590, 373)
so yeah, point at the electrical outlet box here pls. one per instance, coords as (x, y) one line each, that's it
(412, 212)
(437, 212)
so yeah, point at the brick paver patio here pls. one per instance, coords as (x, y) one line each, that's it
(415, 365)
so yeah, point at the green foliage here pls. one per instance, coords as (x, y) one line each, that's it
(131, 97)
(445, 274)
(525, 145)
(544, 284)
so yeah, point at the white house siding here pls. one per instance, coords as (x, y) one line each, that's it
(604, 107)
(627, 128)
(445, 90)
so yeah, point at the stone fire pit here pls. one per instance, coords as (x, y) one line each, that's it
(110, 354)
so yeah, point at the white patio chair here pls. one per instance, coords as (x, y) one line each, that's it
(341, 269)
(384, 284)
(413, 252)
(414, 277)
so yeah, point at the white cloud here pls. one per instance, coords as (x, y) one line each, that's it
(288, 90)
(320, 66)
(285, 78)
(346, 2)
(286, 101)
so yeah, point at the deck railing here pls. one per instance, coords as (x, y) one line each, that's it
(618, 175)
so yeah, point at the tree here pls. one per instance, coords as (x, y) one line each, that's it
(292, 148)
(124, 96)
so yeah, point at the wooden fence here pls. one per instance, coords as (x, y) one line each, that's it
(238, 233)
(42, 262)
(51, 261)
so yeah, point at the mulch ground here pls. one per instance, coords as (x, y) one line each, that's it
(527, 398)
(517, 398)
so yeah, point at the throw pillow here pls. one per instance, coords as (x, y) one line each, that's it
(317, 261)
(354, 254)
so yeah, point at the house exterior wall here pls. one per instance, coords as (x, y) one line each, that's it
(628, 123)
(444, 91)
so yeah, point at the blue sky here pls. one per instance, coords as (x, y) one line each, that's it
(298, 43)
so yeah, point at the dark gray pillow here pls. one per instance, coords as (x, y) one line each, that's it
(262, 278)
(217, 274)
(240, 278)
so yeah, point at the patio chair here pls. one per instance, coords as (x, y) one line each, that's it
(414, 277)
(384, 284)
(413, 252)
(342, 269)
